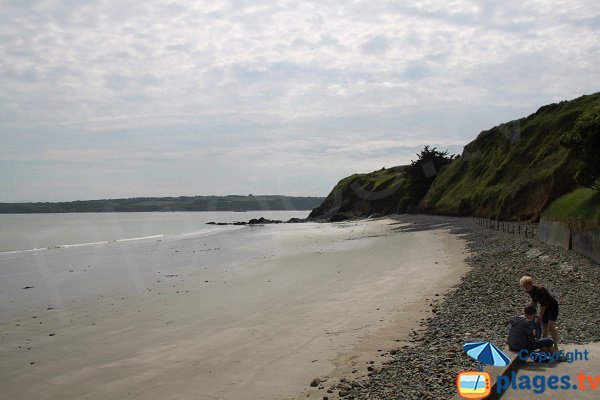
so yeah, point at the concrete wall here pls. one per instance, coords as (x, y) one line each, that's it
(555, 233)
(586, 242)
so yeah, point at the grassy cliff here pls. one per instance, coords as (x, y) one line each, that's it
(361, 195)
(578, 208)
(514, 170)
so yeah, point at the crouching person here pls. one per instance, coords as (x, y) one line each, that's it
(520, 333)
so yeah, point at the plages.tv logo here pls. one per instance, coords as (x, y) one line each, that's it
(477, 384)
(473, 384)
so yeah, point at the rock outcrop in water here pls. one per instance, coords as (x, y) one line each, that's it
(260, 221)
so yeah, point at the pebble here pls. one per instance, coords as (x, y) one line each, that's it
(490, 296)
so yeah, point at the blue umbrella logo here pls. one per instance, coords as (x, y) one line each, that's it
(486, 353)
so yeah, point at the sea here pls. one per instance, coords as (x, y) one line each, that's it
(35, 232)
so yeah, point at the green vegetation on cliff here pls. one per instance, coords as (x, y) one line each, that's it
(580, 208)
(584, 141)
(384, 191)
(395, 190)
(512, 171)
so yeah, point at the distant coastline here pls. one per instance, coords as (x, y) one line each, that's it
(169, 204)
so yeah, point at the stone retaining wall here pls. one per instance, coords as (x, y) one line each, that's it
(585, 241)
(555, 233)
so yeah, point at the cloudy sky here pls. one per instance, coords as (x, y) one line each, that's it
(102, 99)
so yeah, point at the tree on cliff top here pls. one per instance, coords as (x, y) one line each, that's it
(584, 142)
(423, 171)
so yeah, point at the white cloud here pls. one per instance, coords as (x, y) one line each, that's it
(196, 79)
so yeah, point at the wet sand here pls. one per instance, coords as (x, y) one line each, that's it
(251, 313)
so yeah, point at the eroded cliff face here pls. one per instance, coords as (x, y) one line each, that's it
(529, 203)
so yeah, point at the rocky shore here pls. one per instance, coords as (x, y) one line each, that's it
(260, 221)
(479, 308)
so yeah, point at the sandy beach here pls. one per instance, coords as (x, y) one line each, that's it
(250, 313)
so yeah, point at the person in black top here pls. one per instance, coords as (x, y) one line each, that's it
(548, 308)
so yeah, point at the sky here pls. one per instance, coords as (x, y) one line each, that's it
(110, 99)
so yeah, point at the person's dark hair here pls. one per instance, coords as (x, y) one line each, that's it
(530, 310)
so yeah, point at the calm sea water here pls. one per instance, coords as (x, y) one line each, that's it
(39, 231)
